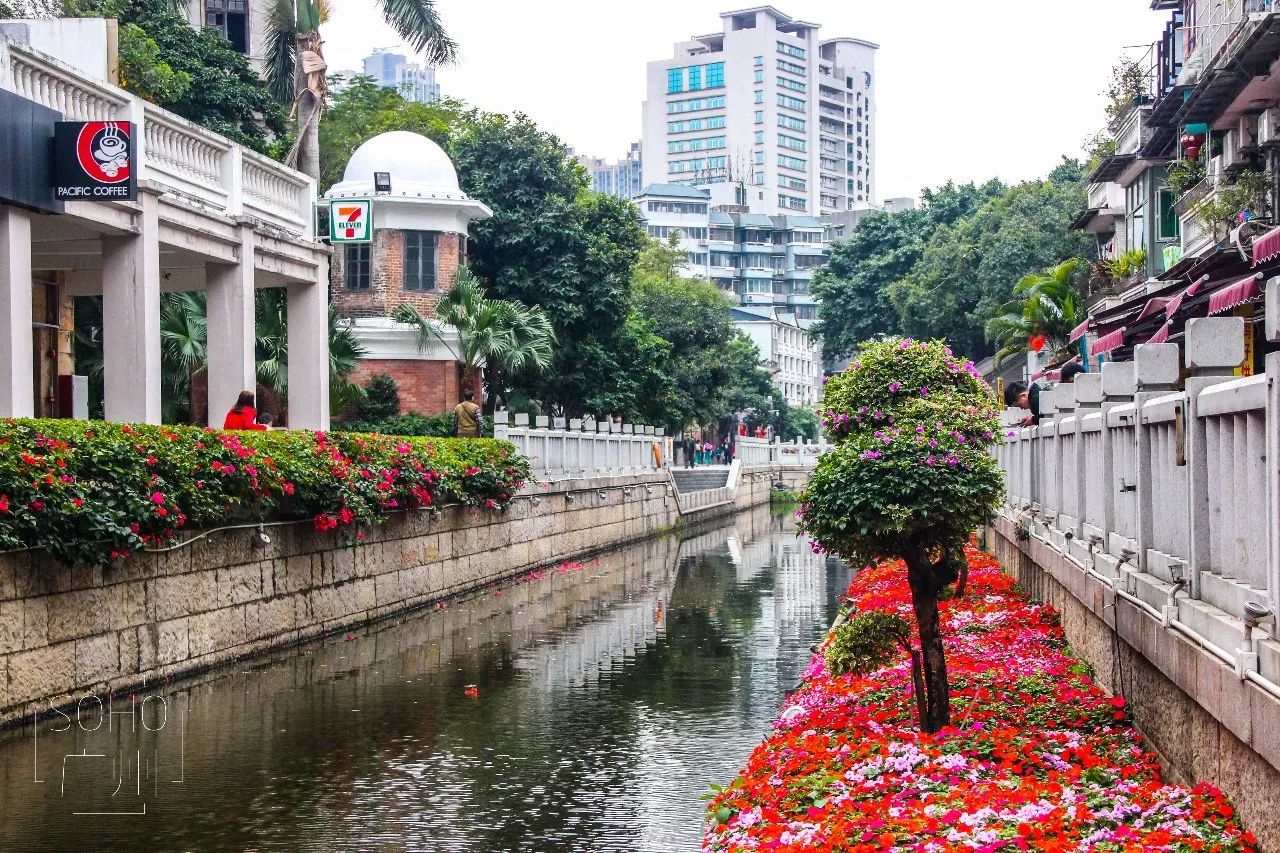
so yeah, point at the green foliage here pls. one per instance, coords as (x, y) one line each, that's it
(1128, 85)
(1182, 175)
(88, 492)
(362, 110)
(855, 284)
(410, 423)
(801, 423)
(968, 269)
(1248, 190)
(911, 472)
(193, 72)
(1125, 264)
(381, 399)
(1048, 303)
(866, 642)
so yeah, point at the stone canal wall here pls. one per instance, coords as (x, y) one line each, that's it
(1205, 722)
(67, 632)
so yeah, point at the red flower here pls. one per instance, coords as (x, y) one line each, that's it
(4, 503)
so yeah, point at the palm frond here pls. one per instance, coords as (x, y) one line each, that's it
(418, 23)
(281, 33)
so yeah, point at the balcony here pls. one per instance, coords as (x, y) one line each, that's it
(1131, 128)
(1235, 41)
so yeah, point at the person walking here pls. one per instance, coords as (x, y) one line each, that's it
(468, 421)
(686, 447)
(242, 416)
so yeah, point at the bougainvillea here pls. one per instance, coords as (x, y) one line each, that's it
(1038, 759)
(91, 492)
(911, 477)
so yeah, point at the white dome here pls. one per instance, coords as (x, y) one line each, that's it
(419, 168)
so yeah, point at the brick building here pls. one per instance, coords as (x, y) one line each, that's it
(419, 240)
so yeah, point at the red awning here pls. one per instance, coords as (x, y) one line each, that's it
(1154, 305)
(1054, 375)
(1266, 247)
(1078, 332)
(1176, 302)
(1039, 374)
(1107, 342)
(1236, 294)
(1162, 334)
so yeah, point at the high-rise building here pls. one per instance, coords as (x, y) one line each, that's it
(768, 103)
(621, 178)
(394, 70)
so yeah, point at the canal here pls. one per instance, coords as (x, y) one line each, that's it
(604, 699)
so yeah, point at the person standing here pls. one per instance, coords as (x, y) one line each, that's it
(1023, 396)
(242, 415)
(468, 421)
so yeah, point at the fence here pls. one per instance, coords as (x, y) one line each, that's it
(1171, 495)
(760, 451)
(560, 449)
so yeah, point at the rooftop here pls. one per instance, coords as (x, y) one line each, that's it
(674, 191)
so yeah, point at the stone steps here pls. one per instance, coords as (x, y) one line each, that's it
(699, 479)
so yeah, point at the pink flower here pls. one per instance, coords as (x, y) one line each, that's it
(157, 498)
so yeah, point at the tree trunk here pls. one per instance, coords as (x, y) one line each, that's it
(309, 107)
(917, 679)
(922, 577)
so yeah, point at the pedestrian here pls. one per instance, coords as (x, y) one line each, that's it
(264, 420)
(468, 421)
(1070, 371)
(1023, 396)
(242, 416)
(686, 447)
(759, 430)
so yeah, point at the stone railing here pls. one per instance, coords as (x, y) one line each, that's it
(1171, 497)
(176, 154)
(759, 451)
(560, 449)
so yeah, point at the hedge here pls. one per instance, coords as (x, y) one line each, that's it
(93, 492)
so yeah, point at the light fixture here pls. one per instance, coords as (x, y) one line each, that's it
(382, 182)
(259, 537)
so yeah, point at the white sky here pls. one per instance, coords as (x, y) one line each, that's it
(967, 90)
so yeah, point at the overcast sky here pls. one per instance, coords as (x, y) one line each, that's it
(967, 90)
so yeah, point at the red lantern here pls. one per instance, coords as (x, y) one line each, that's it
(1038, 342)
(1191, 145)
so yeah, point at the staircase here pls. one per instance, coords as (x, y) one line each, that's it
(700, 479)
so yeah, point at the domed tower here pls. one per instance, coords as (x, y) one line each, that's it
(420, 223)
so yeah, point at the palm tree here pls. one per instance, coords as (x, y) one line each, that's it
(295, 65)
(495, 334)
(183, 350)
(1047, 303)
(271, 342)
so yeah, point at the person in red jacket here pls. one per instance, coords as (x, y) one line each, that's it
(242, 415)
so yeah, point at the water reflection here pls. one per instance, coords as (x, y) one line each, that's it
(609, 698)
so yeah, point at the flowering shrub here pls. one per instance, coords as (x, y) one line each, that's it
(910, 477)
(92, 492)
(1039, 759)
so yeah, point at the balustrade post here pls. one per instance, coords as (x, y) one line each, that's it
(1048, 468)
(1214, 347)
(1087, 394)
(1156, 373)
(500, 424)
(1119, 384)
(1273, 444)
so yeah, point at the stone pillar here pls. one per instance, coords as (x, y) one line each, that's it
(230, 329)
(1119, 384)
(1156, 371)
(17, 392)
(1273, 441)
(308, 315)
(131, 319)
(1214, 347)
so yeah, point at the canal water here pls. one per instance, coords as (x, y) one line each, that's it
(606, 698)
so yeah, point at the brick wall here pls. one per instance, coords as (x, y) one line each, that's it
(427, 387)
(386, 290)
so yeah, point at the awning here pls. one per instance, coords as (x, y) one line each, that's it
(1107, 342)
(1154, 305)
(1039, 374)
(1078, 332)
(1237, 294)
(1266, 247)
(1176, 302)
(1162, 334)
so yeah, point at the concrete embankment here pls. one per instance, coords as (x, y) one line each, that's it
(70, 632)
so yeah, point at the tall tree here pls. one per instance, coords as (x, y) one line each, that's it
(296, 65)
(1046, 304)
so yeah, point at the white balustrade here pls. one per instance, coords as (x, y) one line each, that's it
(185, 156)
(583, 450)
(275, 194)
(759, 451)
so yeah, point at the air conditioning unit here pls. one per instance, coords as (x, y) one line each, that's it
(1216, 169)
(1269, 127)
(1247, 132)
(1231, 153)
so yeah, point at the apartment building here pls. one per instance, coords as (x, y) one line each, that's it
(621, 178)
(766, 262)
(416, 82)
(1188, 196)
(769, 104)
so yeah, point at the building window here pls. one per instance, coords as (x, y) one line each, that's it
(695, 104)
(792, 142)
(791, 122)
(791, 50)
(759, 76)
(759, 158)
(787, 182)
(759, 116)
(675, 80)
(790, 67)
(715, 75)
(759, 96)
(357, 266)
(759, 137)
(791, 162)
(759, 61)
(419, 260)
(695, 78)
(790, 102)
(231, 18)
(760, 178)
(793, 85)
(791, 202)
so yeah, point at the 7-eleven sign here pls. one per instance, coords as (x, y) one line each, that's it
(350, 220)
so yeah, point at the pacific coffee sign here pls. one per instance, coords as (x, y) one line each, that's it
(95, 161)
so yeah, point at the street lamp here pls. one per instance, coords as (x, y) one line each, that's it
(382, 182)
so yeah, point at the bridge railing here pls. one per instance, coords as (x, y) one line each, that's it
(559, 448)
(759, 451)
(1172, 494)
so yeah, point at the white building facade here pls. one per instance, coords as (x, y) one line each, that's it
(621, 178)
(767, 103)
(414, 81)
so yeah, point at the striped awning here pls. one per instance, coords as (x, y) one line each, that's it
(1162, 334)
(1266, 247)
(1107, 342)
(1078, 332)
(1237, 294)
(1153, 306)
(1039, 374)
(1176, 302)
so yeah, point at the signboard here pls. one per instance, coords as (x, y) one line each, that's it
(350, 220)
(26, 169)
(95, 161)
(1246, 366)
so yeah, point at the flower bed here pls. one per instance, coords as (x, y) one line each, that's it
(92, 492)
(1038, 757)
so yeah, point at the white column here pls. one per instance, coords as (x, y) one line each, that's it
(309, 352)
(1273, 442)
(131, 320)
(230, 332)
(17, 391)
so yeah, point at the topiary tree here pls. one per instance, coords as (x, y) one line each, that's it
(910, 477)
(381, 398)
